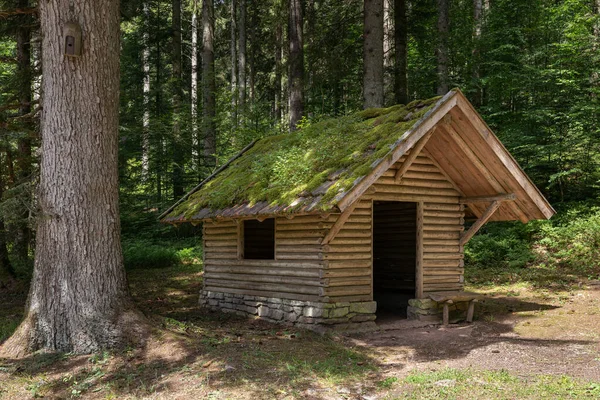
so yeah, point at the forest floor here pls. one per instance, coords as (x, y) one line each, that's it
(527, 342)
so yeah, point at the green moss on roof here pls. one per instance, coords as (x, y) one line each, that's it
(279, 169)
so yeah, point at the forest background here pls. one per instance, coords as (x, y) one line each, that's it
(202, 79)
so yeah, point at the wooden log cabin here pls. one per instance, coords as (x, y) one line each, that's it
(350, 218)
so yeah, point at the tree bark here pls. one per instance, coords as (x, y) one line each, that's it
(194, 88)
(400, 44)
(296, 62)
(23, 232)
(178, 189)
(388, 60)
(234, 61)
(79, 301)
(373, 54)
(208, 83)
(146, 95)
(7, 272)
(278, 71)
(242, 58)
(442, 51)
(476, 75)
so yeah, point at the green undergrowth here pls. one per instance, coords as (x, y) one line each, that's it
(544, 254)
(500, 384)
(149, 253)
(279, 169)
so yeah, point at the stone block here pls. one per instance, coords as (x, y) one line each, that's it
(338, 312)
(277, 315)
(424, 304)
(363, 318)
(313, 312)
(264, 311)
(367, 307)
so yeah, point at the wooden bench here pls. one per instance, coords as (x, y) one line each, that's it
(449, 298)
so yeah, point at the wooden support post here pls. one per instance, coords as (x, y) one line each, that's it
(466, 236)
(471, 310)
(339, 224)
(414, 152)
(446, 312)
(419, 258)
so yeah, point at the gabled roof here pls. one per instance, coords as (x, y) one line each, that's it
(326, 166)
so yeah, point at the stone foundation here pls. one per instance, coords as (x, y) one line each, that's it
(431, 311)
(345, 317)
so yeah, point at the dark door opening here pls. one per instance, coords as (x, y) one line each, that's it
(394, 256)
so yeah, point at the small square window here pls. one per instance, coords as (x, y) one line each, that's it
(259, 239)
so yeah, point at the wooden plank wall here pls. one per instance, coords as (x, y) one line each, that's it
(295, 274)
(349, 255)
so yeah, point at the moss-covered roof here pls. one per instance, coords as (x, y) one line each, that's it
(309, 170)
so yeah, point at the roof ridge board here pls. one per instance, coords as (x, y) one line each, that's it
(210, 177)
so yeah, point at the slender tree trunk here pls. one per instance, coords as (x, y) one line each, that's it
(476, 75)
(208, 83)
(178, 189)
(158, 111)
(388, 59)
(234, 61)
(23, 232)
(79, 301)
(251, 16)
(242, 58)
(400, 44)
(442, 51)
(194, 88)
(296, 62)
(146, 95)
(373, 54)
(7, 272)
(278, 71)
(596, 45)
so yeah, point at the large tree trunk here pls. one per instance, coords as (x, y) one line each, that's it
(400, 44)
(373, 54)
(234, 61)
(146, 95)
(79, 301)
(208, 83)
(178, 189)
(442, 46)
(296, 61)
(242, 58)
(194, 88)
(23, 233)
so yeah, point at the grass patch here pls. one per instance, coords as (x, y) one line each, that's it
(149, 254)
(460, 384)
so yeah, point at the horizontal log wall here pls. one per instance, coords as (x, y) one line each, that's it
(443, 219)
(296, 273)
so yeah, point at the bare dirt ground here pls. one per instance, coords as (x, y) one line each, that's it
(525, 343)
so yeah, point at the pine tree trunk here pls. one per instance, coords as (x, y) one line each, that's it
(208, 83)
(442, 51)
(400, 44)
(23, 233)
(7, 272)
(234, 61)
(296, 62)
(146, 95)
(194, 88)
(79, 301)
(373, 54)
(278, 71)
(178, 189)
(388, 59)
(242, 58)
(476, 75)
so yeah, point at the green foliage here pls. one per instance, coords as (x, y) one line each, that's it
(164, 254)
